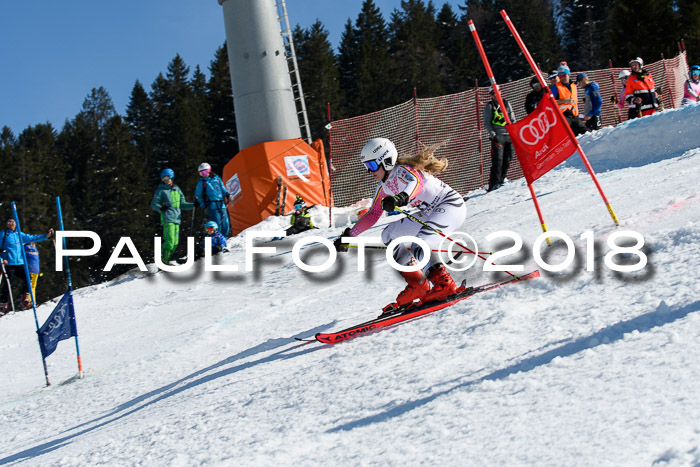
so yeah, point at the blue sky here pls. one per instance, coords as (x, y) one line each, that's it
(55, 52)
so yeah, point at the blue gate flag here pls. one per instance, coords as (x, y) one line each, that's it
(60, 325)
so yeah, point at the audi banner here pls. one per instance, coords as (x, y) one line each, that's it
(541, 140)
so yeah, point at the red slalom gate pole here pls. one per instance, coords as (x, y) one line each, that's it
(530, 60)
(497, 91)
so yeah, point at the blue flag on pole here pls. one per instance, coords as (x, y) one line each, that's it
(59, 326)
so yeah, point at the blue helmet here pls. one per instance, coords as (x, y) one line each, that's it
(167, 173)
(211, 225)
(694, 70)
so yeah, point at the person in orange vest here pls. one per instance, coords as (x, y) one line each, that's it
(640, 90)
(566, 95)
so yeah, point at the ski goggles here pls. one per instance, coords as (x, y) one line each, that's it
(298, 207)
(695, 73)
(205, 172)
(371, 166)
(209, 229)
(165, 179)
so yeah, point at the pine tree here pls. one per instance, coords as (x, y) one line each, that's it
(459, 63)
(139, 116)
(689, 28)
(319, 76)
(364, 62)
(585, 38)
(414, 51)
(180, 140)
(222, 117)
(642, 28)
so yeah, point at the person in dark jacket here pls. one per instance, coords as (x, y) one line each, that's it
(501, 146)
(169, 201)
(11, 245)
(301, 219)
(213, 195)
(535, 96)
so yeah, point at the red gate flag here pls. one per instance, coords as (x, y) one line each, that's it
(541, 140)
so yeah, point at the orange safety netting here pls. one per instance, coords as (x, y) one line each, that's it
(454, 122)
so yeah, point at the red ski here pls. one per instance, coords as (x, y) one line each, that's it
(416, 310)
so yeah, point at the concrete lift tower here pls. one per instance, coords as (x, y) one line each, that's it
(274, 163)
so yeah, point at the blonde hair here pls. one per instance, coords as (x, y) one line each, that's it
(425, 160)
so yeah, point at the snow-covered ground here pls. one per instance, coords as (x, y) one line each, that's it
(574, 368)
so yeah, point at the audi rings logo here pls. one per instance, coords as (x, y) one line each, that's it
(533, 132)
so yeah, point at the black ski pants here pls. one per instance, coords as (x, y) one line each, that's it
(501, 155)
(15, 275)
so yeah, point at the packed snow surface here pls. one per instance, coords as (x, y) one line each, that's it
(578, 367)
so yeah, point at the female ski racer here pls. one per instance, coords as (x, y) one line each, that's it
(410, 181)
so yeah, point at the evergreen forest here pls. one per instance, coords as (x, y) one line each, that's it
(105, 166)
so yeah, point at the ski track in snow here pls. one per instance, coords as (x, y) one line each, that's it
(574, 368)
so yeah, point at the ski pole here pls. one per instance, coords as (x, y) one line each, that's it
(468, 250)
(9, 286)
(378, 247)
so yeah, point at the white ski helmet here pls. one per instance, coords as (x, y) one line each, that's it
(638, 60)
(379, 152)
(624, 74)
(203, 166)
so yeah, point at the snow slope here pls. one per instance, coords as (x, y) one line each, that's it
(575, 368)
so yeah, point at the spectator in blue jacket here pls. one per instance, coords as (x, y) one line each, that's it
(213, 195)
(592, 102)
(11, 245)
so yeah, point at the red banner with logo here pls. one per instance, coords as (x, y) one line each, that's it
(541, 140)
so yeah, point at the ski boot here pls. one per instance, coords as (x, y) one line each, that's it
(443, 285)
(26, 301)
(4, 309)
(416, 289)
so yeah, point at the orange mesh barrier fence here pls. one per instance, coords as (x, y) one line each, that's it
(454, 122)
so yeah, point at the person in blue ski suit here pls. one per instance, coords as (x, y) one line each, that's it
(11, 245)
(218, 242)
(211, 193)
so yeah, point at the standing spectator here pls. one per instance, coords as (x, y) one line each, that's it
(212, 194)
(592, 101)
(11, 245)
(640, 90)
(566, 95)
(32, 255)
(553, 80)
(691, 90)
(501, 146)
(535, 96)
(620, 101)
(169, 200)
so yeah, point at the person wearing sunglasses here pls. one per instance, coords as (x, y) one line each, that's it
(691, 90)
(300, 219)
(211, 193)
(410, 181)
(218, 242)
(169, 201)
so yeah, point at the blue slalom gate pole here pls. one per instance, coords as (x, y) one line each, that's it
(70, 284)
(29, 286)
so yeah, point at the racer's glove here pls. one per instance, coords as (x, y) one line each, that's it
(338, 243)
(390, 202)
